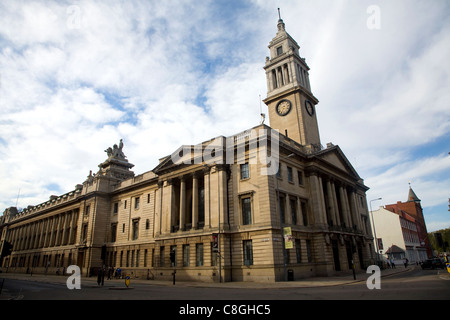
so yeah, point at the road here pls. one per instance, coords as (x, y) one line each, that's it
(414, 285)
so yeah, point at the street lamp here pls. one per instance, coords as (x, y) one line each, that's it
(374, 232)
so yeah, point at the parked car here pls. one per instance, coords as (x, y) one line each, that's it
(433, 264)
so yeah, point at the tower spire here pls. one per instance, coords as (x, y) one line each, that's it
(280, 24)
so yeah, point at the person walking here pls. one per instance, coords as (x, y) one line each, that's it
(392, 263)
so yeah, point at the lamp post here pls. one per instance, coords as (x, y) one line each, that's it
(374, 231)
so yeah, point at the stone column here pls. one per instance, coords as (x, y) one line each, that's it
(344, 199)
(194, 201)
(354, 206)
(168, 213)
(182, 203)
(287, 210)
(64, 231)
(299, 212)
(207, 200)
(72, 226)
(51, 242)
(58, 230)
(317, 198)
(335, 203)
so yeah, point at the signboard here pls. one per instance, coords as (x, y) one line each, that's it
(287, 233)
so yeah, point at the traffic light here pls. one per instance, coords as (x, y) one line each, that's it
(215, 237)
(7, 249)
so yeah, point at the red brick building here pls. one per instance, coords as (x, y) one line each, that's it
(414, 209)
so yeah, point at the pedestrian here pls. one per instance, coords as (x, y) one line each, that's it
(387, 264)
(103, 275)
(406, 262)
(99, 276)
(392, 263)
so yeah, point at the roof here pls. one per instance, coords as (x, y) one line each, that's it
(394, 249)
(412, 196)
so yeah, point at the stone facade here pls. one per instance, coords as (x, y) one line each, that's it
(238, 193)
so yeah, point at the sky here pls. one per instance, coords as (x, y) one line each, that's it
(77, 76)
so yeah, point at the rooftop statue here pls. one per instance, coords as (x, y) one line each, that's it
(116, 151)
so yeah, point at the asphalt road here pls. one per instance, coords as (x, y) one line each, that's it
(414, 285)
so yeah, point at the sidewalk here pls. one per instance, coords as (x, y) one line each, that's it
(120, 283)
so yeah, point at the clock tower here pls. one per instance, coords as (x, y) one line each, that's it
(292, 106)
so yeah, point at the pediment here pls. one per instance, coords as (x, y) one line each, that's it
(335, 157)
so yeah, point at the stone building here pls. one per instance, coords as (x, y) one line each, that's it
(266, 204)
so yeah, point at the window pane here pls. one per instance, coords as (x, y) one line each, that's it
(246, 211)
(289, 173)
(248, 252)
(186, 255)
(199, 254)
(245, 173)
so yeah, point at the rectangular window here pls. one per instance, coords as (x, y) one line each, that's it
(136, 202)
(248, 252)
(125, 204)
(147, 224)
(279, 50)
(137, 258)
(87, 210)
(308, 250)
(300, 177)
(145, 258)
(135, 229)
(174, 249)
(84, 232)
(213, 255)
(289, 174)
(279, 171)
(199, 254)
(304, 213)
(298, 250)
(245, 173)
(161, 256)
(148, 198)
(246, 211)
(153, 258)
(282, 208)
(293, 203)
(116, 208)
(113, 232)
(186, 258)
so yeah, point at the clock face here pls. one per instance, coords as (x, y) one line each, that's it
(309, 107)
(283, 107)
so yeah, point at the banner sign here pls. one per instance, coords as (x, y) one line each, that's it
(287, 233)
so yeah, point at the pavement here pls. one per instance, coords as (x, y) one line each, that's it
(119, 284)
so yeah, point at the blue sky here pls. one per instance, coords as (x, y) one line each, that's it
(77, 76)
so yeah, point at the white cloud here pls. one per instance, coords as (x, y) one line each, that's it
(78, 76)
